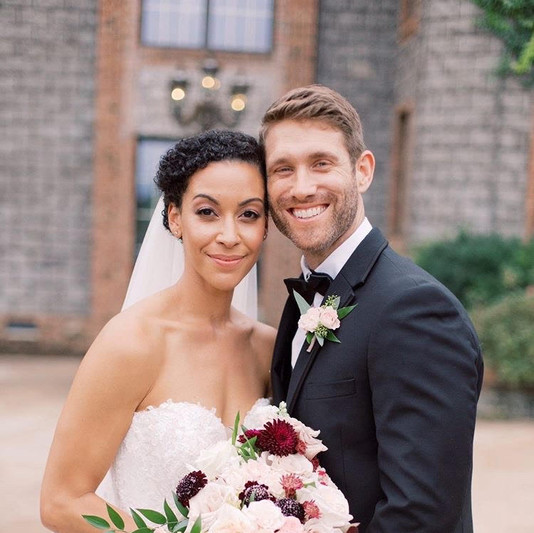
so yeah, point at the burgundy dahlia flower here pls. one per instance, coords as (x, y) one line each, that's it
(248, 435)
(278, 437)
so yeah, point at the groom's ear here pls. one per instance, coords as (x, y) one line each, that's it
(365, 168)
(175, 220)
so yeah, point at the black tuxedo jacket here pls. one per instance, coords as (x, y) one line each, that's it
(396, 400)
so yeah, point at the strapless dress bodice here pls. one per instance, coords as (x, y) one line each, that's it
(157, 450)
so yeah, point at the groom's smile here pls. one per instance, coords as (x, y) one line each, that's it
(307, 213)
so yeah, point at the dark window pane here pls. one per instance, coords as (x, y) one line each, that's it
(148, 155)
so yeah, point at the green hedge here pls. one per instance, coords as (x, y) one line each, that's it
(479, 269)
(506, 331)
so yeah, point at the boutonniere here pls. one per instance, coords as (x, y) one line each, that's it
(320, 322)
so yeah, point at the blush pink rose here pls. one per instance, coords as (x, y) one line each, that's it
(291, 525)
(329, 318)
(310, 320)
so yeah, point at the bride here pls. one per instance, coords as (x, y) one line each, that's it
(166, 376)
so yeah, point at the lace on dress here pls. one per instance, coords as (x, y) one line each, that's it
(157, 450)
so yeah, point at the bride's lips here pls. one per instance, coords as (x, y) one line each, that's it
(226, 260)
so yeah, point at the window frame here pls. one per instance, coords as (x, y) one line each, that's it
(205, 47)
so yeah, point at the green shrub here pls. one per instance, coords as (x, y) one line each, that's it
(506, 331)
(479, 269)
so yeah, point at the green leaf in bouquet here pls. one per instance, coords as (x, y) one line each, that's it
(180, 527)
(248, 449)
(139, 522)
(153, 516)
(144, 530)
(96, 521)
(344, 311)
(301, 302)
(320, 340)
(236, 429)
(184, 511)
(309, 336)
(172, 519)
(115, 517)
(197, 526)
(331, 337)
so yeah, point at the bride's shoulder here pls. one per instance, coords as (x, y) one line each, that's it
(263, 337)
(263, 333)
(128, 337)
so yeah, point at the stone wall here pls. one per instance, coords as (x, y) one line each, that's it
(472, 129)
(47, 55)
(356, 56)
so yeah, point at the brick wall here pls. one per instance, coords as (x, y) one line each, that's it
(47, 55)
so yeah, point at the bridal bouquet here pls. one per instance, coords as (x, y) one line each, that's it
(265, 479)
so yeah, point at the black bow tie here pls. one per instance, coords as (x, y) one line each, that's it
(317, 282)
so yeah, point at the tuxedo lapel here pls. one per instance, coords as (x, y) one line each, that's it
(281, 364)
(352, 276)
(305, 359)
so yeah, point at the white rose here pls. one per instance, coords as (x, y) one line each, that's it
(265, 515)
(258, 471)
(332, 504)
(308, 436)
(231, 520)
(214, 459)
(291, 525)
(310, 320)
(294, 464)
(259, 415)
(211, 498)
(329, 318)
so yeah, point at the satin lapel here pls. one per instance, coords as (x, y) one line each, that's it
(281, 364)
(352, 276)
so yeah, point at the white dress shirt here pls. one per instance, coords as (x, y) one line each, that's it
(332, 265)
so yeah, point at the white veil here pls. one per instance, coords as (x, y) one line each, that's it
(160, 264)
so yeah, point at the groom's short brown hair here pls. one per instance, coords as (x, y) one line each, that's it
(317, 102)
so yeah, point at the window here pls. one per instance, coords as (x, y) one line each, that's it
(400, 171)
(148, 155)
(229, 25)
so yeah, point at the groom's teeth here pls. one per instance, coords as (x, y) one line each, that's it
(308, 213)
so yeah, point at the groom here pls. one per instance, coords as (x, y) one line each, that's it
(396, 399)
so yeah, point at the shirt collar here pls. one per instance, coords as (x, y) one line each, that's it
(333, 264)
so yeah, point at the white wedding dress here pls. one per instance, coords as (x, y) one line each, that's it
(157, 450)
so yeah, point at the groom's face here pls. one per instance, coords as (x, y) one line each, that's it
(312, 185)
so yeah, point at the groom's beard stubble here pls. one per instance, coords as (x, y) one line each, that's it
(316, 241)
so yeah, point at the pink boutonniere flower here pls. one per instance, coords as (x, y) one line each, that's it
(320, 322)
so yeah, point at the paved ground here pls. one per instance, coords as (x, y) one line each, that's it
(33, 388)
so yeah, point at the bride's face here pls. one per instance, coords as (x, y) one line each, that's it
(222, 222)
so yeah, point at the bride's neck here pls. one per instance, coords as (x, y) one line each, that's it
(202, 302)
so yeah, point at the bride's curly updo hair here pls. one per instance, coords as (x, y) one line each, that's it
(192, 154)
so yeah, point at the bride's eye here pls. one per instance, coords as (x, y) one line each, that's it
(205, 211)
(252, 215)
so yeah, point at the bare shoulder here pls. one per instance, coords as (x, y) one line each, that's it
(129, 346)
(263, 338)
